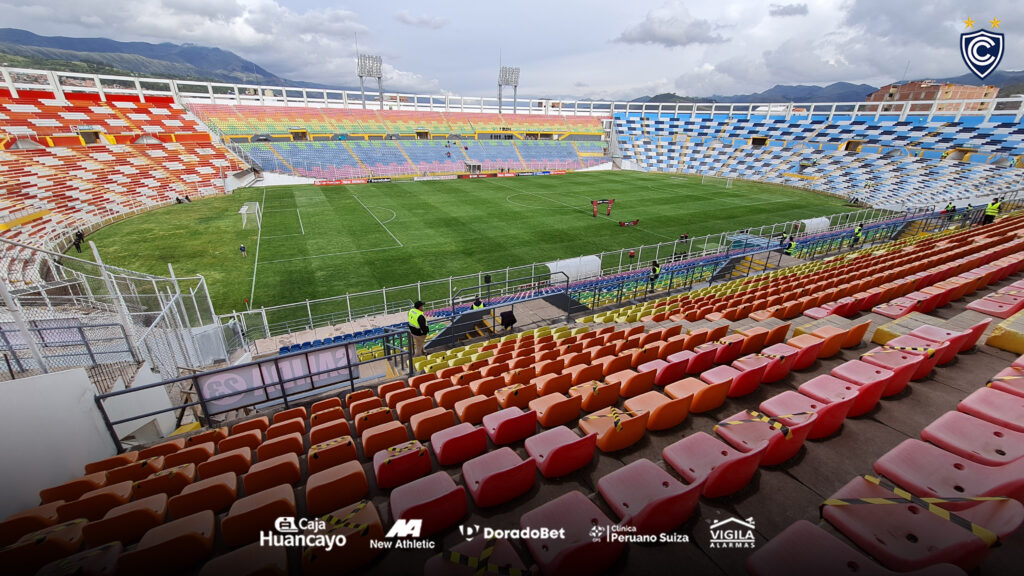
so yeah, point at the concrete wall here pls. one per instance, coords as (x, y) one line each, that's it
(141, 402)
(50, 429)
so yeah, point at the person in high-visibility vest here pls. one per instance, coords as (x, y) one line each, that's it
(477, 304)
(991, 211)
(858, 234)
(418, 327)
(655, 271)
(790, 247)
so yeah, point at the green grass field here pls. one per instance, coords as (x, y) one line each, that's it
(325, 241)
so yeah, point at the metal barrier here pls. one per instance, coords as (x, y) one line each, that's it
(66, 344)
(285, 379)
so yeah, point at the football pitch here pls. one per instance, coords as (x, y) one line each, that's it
(317, 242)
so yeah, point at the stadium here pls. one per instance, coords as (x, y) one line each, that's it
(740, 338)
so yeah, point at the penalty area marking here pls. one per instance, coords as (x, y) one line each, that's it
(374, 216)
(333, 254)
(301, 229)
(256, 258)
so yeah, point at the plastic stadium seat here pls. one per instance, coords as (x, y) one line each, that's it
(448, 397)
(921, 347)
(975, 439)
(401, 464)
(391, 399)
(487, 386)
(299, 412)
(578, 553)
(163, 449)
(754, 339)
(249, 560)
(249, 439)
(902, 364)
(329, 403)
(72, 489)
(664, 412)
(435, 499)
(290, 444)
(905, 538)
(429, 388)
(705, 396)
(169, 481)
(833, 338)
(36, 549)
(326, 415)
(359, 406)
(115, 461)
(335, 487)
(357, 395)
(648, 498)
(615, 429)
(500, 558)
(100, 560)
(555, 409)
(809, 346)
(194, 455)
(730, 348)
(1009, 380)
(384, 389)
(458, 443)
(407, 408)
(703, 460)
(995, 406)
(937, 335)
(426, 423)
(632, 383)
(383, 437)
(286, 427)
(128, 522)
(976, 332)
(584, 373)
(329, 431)
(667, 372)
(559, 451)
(749, 433)
(93, 505)
(261, 424)
(597, 395)
(135, 471)
(550, 383)
(255, 513)
(171, 548)
(17, 525)
(510, 425)
(363, 525)
(498, 476)
(702, 359)
(516, 395)
(830, 415)
(611, 364)
(871, 380)
(743, 381)
(927, 470)
(472, 410)
(330, 454)
(804, 548)
(283, 469)
(216, 493)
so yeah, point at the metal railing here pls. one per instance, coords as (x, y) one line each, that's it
(65, 344)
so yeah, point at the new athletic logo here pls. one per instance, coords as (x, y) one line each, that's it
(981, 50)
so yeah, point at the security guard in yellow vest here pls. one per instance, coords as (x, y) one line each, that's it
(418, 327)
(655, 271)
(858, 234)
(992, 210)
(790, 247)
(477, 304)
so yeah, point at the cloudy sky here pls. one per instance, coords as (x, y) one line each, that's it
(601, 49)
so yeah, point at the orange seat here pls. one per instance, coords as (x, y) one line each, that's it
(216, 493)
(165, 448)
(520, 376)
(115, 461)
(372, 418)
(632, 383)
(283, 469)
(464, 378)
(327, 414)
(249, 560)
(449, 396)
(755, 339)
(833, 340)
(334, 487)
(194, 455)
(596, 395)
(330, 454)
(237, 461)
(357, 395)
(365, 405)
(384, 389)
(93, 505)
(256, 513)
(550, 383)
(383, 437)
(581, 373)
(299, 412)
(36, 549)
(362, 526)
(487, 386)
(171, 548)
(664, 412)
(548, 366)
(393, 398)
(135, 471)
(407, 408)
(705, 397)
(329, 431)
(290, 444)
(249, 439)
(261, 424)
(516, 395)
(556, 408)
(169, 481)
(286, 427)
(321, 406)
(128, 522)
(71, 490)
(809, 346)
(26, 521)
(473, 410)
(615, 429)
(426, 423)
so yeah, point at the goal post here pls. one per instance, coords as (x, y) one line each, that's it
(251, 209)
(609, 203)
(708, 179)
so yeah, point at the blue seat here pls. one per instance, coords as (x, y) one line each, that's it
(284, 350)
(295, 347)
(317, 343)
(306, 346)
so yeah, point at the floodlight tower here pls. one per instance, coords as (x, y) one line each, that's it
(370, 67)
(508, 76)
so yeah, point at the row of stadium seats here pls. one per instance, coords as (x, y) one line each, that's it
(247, 120)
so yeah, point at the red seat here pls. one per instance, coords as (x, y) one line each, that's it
(830, 415)
(746, 431)
(975, 439)
(498, 476)
(809, 346)
(907, 538)
(401, 464)
(265, 474)
(995, 406)
(804, 548)
(435, 499)
(927, 470)
(783, 356)
(383, 437)
(699, 359)
(902, 364)
(631, 383)
(495, 556)
(730, 348)
(705, 396)
(739, 383)
(648, 498)
(256, 513)
(937, 335)
(555, 409)
(458, 443)
(871, 381)
(578, 553)
(703, 460)
(510, 425)
(666, 372)
(926, 348)
(596, 395)
(559, 451)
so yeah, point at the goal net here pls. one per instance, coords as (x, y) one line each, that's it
(251, 211)
(705, 179)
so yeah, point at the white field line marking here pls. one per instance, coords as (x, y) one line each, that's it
(301, 229)
(332, 254)
(283, 236)
(584, 210)
(256, 261)
(374, 216)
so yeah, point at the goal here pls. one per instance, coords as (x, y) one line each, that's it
(705, 179)
(251, 209)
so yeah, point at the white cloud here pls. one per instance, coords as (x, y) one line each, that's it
(671, 26)
(420, 21)
(787, 9)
